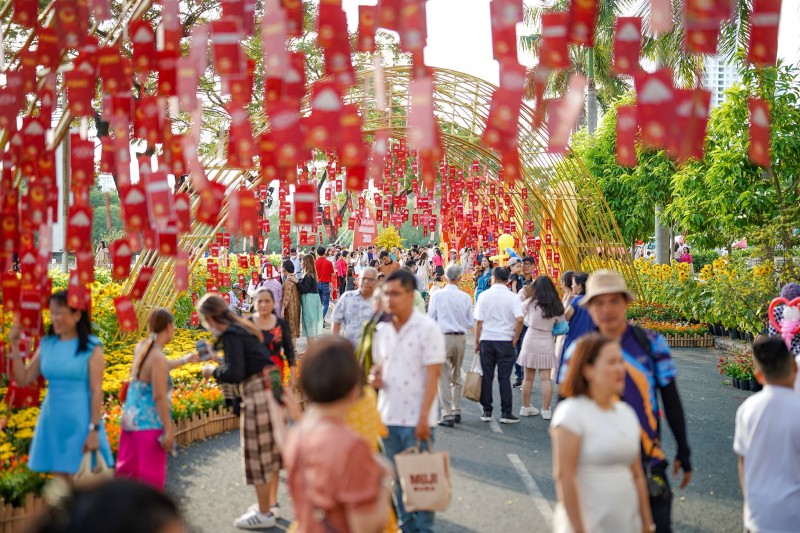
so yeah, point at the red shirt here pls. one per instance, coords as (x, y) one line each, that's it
(324, 270)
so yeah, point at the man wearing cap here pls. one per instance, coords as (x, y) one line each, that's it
(524, 277)
(451, 308)
(649, 368)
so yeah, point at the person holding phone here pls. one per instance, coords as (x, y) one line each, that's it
(148, 433)
(246, 359)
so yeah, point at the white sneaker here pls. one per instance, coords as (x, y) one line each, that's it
(547, 414)
(275, 510)
(255, 520)
(528, 411)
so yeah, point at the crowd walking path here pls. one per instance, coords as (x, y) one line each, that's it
(502, 475)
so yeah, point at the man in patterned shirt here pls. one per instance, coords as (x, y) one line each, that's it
(354, 308)
(650, 370)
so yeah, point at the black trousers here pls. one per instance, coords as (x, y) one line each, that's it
(498, 354)
(662, 509)
(518, 372)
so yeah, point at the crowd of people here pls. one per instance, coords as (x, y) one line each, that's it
(390, 373)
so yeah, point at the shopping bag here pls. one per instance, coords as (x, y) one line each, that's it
(472, 383)
(425, 479)
(93, 470)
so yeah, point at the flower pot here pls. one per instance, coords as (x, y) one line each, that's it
(755, 386)
(736, 383)
(750, 337)
(734, 334)
(719, 331)
(745, 384)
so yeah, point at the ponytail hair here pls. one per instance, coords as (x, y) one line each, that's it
(84, 325)
(158, 321)
(212, 305)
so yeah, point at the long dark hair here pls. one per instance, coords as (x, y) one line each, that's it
(546, 297)
(84, 325)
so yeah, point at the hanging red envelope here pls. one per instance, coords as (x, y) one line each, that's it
(78, 295)
(759, 132)
(134, 206)
(25, 13)
(11, 291)
(85, 266)
(626, 135)
(512, 168)
(422, 127)
(183, 212)
(305, 203)
(654, 99)
(186, 80)
(661, 16)
(582, 21)
(326, 109)
(700, 36)
(182, 271)
(79, 228)
(167, 65)
(294, 80)
(47, 48)
(502, 124)
(30, 311)
(367, 26)
(689, 130)
(627, 45)
(108, 160)
(331, 22)
(243, 213)
(81, 160)
(413, 30)
(389, 14)
(101, 10)
(159, 198)
(112, 67)
(273, 42)
(564, 115)
(121, 255)
(80, 91)
(553, 52)
(763, 48)
(141, 283)
(71, 23)
(286, 132)
(146, 119)
(338, 61)
(226, 34)
(294, 17)
(126, 314)
(167, 241)
(505, 13)
(211, 203)
(241, 146)
(504, 43)
(143, 38)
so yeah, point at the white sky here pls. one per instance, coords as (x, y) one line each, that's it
(460, 38)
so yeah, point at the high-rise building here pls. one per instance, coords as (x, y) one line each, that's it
(719, 76)
(106, 183)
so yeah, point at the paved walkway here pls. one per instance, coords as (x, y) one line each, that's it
(502, 475)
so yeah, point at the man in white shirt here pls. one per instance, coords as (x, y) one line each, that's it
(767, 441)
(498, 315)
(408, 353)
(451, 308)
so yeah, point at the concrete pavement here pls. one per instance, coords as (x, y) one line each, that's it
(502, 474)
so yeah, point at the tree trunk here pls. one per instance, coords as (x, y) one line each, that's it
(663, 248)
(591, 107)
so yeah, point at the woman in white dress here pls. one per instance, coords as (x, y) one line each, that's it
(597, 463)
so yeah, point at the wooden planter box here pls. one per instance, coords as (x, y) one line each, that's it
(691, 341)
(198, 427)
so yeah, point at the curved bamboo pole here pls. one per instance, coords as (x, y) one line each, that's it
(559, 187)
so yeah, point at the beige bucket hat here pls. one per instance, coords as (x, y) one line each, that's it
(605, 282)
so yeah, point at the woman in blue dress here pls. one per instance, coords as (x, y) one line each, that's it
(70, 420)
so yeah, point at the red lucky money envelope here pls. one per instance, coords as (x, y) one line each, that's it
(126, 315)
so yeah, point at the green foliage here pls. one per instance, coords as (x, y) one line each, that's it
(701, 258)
(100, 230)
(17, 482)
(725, 197)
(632, 193)
(182, 310)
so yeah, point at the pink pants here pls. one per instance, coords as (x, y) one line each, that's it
(141, 457)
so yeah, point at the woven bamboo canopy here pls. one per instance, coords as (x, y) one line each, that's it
(559, 186)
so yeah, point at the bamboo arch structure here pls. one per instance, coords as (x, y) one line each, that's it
(559, 186)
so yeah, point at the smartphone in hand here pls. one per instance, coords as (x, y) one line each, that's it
(203, 350)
